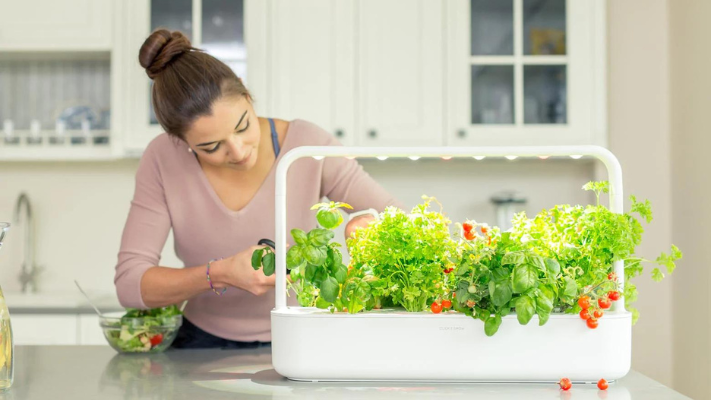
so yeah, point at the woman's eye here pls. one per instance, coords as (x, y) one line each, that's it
(214, 149)
(245, 128)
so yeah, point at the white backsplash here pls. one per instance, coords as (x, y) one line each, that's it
(80, 208)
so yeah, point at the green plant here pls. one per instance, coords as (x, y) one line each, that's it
(406, 254)
(317, 272)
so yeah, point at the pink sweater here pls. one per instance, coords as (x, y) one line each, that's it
(173, 192)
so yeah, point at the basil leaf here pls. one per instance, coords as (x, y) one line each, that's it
(315, 255)
(524, 309)
(515, 258)
(524, 278)
(269, 263)
(502, 294)
(299, 236)
(329, 289)
(552, 266)
(491, 326)
(320, 237)
(322, 303)
(329, 219)
(257, 258)
(294, 257)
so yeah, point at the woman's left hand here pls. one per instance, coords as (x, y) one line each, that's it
(360, 221)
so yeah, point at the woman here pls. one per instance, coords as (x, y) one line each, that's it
(210, 178)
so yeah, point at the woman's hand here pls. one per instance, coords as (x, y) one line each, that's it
(237, 271)
(360, 221)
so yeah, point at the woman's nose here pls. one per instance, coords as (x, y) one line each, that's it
(235, 148)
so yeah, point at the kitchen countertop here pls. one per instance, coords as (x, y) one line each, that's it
(60, 303)
(98, 372)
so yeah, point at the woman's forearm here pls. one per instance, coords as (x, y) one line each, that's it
(163, 286)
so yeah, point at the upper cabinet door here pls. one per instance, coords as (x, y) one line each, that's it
(220, 27)
(525, 72)
(401, 67)
(56, 25)
(313, 64)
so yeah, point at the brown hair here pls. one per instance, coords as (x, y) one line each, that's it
(186, 80)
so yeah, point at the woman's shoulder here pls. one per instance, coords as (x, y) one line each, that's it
(164, 145)
(305, 133)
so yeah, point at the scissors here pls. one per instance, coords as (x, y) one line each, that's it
(267, 242)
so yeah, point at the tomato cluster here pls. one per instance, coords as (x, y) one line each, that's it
(589, 313)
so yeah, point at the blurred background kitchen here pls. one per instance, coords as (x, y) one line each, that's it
(631, 75)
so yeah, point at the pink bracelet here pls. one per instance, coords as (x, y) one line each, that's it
(207, 272)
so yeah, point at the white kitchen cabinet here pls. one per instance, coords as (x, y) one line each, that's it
(56, 25)
(525, 72)
(89, 330)
(44, 329)
(233, 31)
(313, 64)
(400, 72)
(369, 71)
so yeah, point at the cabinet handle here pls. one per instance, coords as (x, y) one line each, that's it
(462, 133)
(373, 133)
(339, 133)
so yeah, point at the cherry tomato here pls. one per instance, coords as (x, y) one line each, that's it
(471, 289)
(614, 295)
(584, 302)
(565, 384)
(592, 323)
(436, 307)
(604, 303)
(471, 303)
(467, 226)
(612, 276)
(602, 384)
(454, 295)
(157, 339)
(446, 304)
(484, 230)
(584, 314)
(448, 270)
(468, 235)
(597, 314)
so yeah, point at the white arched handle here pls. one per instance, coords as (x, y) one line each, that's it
(614, 171)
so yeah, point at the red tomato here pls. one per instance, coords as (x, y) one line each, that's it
(484, 230)
(584, 302)
(614, 295)
(565, 384)
(471, 303)
(612, 276)
(592, 323)
(156, 339)
(584, 314)
(604, 303)
(436, 307)
(467, 226)
(602, 384)
(446, 304)
(468, 235)
(597, 314)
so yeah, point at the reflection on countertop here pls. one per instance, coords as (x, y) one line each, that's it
(91, 372)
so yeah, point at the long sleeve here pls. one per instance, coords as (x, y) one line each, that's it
(144, 234)
(345, 180)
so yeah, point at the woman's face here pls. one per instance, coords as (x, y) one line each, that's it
(229, 137)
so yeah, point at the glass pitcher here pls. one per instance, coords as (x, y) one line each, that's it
(6, 345)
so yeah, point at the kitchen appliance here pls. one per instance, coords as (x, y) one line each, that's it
(311, 344)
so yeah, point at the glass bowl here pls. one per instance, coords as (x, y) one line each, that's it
(140, 335)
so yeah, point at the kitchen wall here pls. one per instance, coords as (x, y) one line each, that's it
(690, 122)
(639, 132)
(80, 208)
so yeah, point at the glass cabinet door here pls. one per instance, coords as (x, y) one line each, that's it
(219, 30)
(518, 63)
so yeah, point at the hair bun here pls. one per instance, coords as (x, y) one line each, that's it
(160, 49)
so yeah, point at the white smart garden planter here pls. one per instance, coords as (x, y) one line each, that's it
(314, 345)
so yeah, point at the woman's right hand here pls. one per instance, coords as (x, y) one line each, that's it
(237, 271)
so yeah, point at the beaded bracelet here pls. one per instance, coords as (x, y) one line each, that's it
(207, 272)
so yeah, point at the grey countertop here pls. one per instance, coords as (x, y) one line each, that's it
(98, 372)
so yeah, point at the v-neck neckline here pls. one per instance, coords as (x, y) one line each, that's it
(216, 198)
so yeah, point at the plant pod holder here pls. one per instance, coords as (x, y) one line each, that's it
(312, 344)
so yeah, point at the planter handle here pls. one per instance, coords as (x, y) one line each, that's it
(614, 171)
